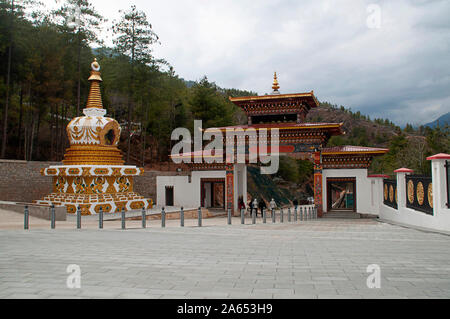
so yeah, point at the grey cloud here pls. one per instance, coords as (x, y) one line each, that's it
(400, 71)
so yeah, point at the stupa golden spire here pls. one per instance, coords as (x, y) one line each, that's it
(95, 96)
(275, 85)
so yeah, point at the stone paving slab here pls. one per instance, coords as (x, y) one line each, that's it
(312, 259)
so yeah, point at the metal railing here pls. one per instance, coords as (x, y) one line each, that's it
(300, 214)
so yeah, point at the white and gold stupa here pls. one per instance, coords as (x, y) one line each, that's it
(93, 173)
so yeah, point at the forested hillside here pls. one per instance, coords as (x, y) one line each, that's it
(408, 147)
(44, 67)
(45, 59)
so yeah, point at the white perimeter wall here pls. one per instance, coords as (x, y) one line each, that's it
(188, 194)
(440, 220)
(368, 190)
(184, 193)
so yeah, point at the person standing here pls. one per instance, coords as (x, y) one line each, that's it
(273, 206)
(255, 207)
(262, 205)
(241, 204)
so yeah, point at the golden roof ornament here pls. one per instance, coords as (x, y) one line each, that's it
(275, 85)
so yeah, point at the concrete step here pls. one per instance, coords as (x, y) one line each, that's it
(343, 214)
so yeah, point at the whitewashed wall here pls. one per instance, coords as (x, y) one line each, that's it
(185, 194)
(440, 220)
(240, 183)
(189, 194)
(367, 189)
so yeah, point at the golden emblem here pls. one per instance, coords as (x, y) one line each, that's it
(430, 194)
(97, 186)
(137, 205)
(391, 193)
(71, 209)
(106, 208)
(385, 192)
(79, 185)
(52, 171)
(123, 184)
(130, 171)
(411, 191)
(420, 193)
(60, 183)
(74, 171)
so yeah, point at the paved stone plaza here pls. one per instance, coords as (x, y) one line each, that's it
(315, 259)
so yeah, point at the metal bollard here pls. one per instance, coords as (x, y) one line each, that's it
(123, 217)
(78, 217)
(100, 218)
(253, 216)
(26, 218)
(163, 217)
(315, 212)
(242, 216)
(229, 216)
(300, 213)
(199, 217)
(182, 217)
(309, 213)
(295, 214)
(281, 216)
(263, 211)
(273, 215)
(144, 218)
(289, 214)
(52, 217)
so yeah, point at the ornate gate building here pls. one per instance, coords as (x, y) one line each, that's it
(297, 138)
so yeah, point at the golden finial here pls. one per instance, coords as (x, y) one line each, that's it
(95, 97)
(275, 85)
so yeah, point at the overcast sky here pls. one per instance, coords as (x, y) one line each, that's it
(395, 67)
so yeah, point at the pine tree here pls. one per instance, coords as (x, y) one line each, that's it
(80, 18)
(134, 38)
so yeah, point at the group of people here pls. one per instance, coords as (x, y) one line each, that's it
(255, 205)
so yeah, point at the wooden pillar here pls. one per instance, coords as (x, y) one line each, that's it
(230, 187)
(318, 194)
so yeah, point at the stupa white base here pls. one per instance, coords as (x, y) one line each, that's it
(92, 187)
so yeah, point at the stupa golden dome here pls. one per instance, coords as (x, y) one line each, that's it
(93, 137)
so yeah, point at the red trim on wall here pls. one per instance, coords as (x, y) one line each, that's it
(439, 156)
(404, 170)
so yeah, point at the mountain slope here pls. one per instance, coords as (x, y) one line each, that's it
(359, 129)
(444, 119)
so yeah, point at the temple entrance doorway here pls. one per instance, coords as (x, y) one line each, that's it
(341, 193)
(213, 193)
(169, 195)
